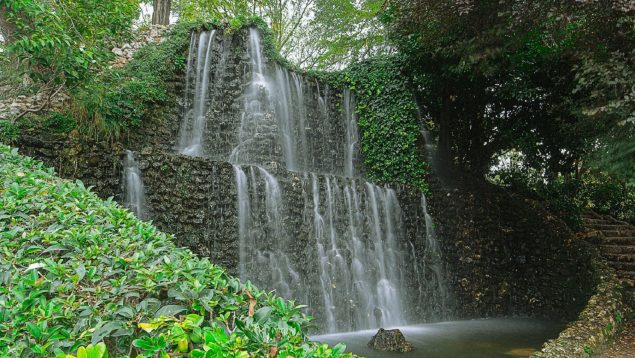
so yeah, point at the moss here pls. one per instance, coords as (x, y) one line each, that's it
(9, 132)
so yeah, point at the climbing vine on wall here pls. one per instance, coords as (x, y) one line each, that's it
(386, 115)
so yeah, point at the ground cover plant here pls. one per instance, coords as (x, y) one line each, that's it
(82, 276)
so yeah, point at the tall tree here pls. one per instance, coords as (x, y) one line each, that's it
(161, 12)
(7, 27)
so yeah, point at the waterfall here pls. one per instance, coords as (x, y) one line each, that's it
(264, 239)
(134, 198)
(192, 128)
(352, 133)
(309, 226)
(434, 269)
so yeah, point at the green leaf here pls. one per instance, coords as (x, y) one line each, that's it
(170, 310)
(262, 314)
(106, 330)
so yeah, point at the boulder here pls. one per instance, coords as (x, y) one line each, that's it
(390, 340)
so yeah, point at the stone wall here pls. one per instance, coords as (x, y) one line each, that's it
(598, 324)
(504, 255)
(509, 256)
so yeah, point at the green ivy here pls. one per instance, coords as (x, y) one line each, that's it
(386, 115)
(83, 276)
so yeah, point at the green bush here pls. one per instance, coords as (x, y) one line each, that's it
(9, 132)
(59, 122)
(606, 195)
(78, 271)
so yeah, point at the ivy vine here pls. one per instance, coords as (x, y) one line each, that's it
(386, 116)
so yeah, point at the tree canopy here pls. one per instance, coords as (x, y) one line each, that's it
(553, 79)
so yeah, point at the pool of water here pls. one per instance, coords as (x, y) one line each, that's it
(482, 338)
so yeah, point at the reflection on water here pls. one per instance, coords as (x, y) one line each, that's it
(484, 338)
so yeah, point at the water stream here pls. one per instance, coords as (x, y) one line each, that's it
(134, 196)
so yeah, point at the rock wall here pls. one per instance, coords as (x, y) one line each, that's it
(509, 256)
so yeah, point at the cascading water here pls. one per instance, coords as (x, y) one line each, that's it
(193, 126)
(134, 197)
(433, 269)
(352, 133)
(345, 253)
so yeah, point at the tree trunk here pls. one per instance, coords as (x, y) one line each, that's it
(161, 12)
(7, 28)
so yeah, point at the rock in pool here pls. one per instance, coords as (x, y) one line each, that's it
(390, 340)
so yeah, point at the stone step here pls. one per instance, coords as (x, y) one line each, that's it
(618, 232)
(590, 222)
(623, 266)
(619, 257)
(618, 240)
(617, 249)
(620, 227)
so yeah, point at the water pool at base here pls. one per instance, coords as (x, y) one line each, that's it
(482, 338)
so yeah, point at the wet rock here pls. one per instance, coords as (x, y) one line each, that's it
(390, 340)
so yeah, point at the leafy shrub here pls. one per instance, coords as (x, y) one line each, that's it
(67, 41)
(8, 132)
(609, 196)
(59, 122)
(77, 271)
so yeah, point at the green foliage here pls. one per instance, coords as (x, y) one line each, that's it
(615, 153)
(560, 198)
(77, 271)
(545, 78)
(606, 195)
(343, 32)
(118, 98)
(386, 116)
(91, 351)
(66, 41)
(568, 198)
(9, 132)
(59, 122)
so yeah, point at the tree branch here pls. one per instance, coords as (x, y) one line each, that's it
(36, 110)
